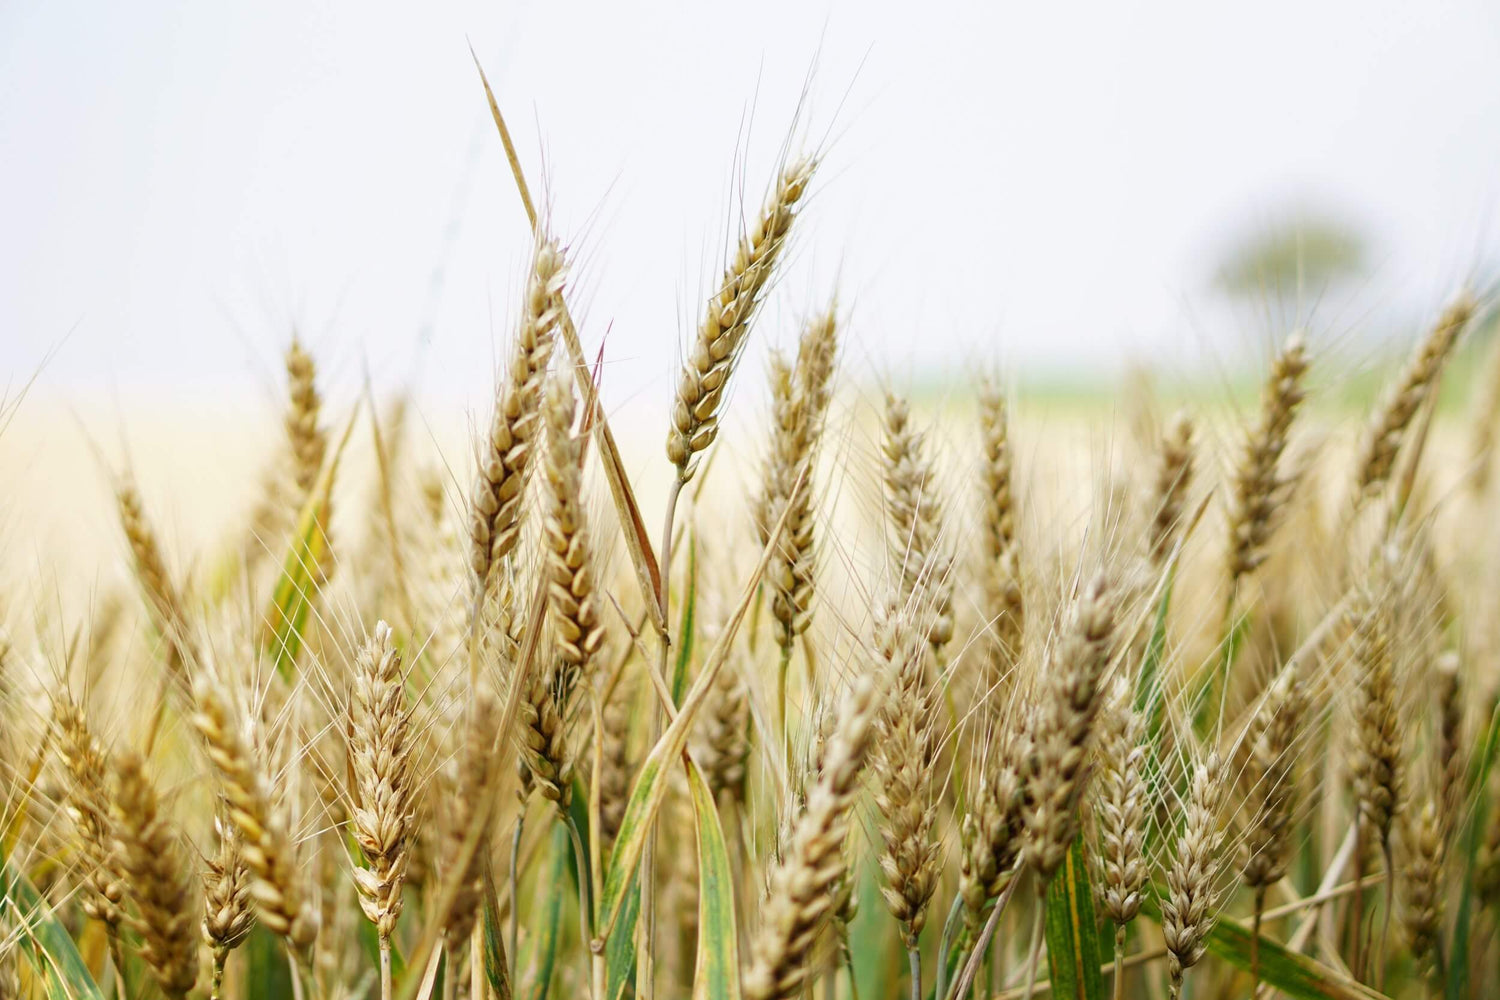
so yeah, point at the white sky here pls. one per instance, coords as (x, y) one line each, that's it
(182, 182)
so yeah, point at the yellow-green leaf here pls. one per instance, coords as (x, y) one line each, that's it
(46, 943)
(545, 954)
(1072, 935)
(1294, 974)
(716, 971)
(619, 955)
(495, 972)
(650, 785)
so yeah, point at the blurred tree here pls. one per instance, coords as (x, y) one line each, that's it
(1307, 252)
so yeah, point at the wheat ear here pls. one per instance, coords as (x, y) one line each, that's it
(309, 441)
(1260, 488)
(468, 809)
(1376, 765)
(1174, 477)
(380, 754)
(266, 845)
(1422, 882)
(88, 805)
(1271, 784)
(1452, 761)
(1191, 901)
(500, 486)
(1120, 797)
(1061, 730)
(800, 405)
(905, 766)
(162, 598)
(721, 334)
(1005, 603)
(546, 708)
(990, 833)
(227, 915)
(916, 518)
(157, 875)
(1388, 426)
(800, 904)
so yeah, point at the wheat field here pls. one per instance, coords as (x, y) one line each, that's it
(902, 698)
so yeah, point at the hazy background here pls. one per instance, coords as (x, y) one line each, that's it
(1056, 186)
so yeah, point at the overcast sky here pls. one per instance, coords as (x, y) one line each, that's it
(181, 183)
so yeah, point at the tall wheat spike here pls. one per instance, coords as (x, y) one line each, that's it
(726, 322)
(505, 460)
